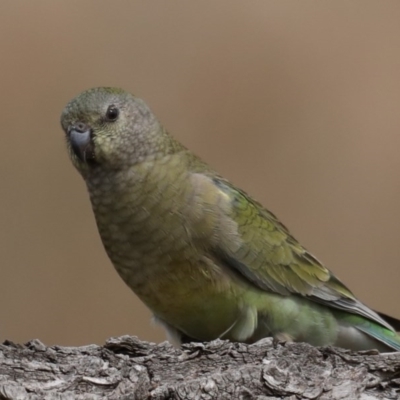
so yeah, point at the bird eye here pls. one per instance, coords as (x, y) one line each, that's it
(112, 113)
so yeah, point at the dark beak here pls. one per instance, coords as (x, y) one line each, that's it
(81, 138)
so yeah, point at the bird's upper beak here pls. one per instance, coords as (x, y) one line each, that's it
(81, 139)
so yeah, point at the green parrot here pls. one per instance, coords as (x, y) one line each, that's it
(205, 257)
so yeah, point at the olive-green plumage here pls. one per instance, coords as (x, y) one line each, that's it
(207, 259)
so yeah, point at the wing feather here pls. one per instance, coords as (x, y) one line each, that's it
(270, 258)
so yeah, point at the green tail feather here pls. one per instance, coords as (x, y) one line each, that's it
(385, 336)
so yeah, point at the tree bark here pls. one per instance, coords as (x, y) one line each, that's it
(127, 368)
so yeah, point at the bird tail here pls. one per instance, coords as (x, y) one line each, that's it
(383, 335)
(362, 333)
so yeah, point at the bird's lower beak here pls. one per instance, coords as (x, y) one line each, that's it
(80, 138)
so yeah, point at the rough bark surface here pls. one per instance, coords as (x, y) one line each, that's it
(127, 368)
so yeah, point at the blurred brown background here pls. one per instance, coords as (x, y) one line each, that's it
(295, 101)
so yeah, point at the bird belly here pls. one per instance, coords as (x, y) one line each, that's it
(194, 299)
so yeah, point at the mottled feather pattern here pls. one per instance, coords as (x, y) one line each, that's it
(206, 258)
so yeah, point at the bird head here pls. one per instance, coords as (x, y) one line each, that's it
(111, 128)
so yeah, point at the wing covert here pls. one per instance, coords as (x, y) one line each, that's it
(271, 259)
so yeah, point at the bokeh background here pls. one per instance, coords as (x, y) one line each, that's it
(295, 101)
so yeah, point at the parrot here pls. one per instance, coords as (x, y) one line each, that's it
(207, 259)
